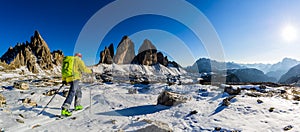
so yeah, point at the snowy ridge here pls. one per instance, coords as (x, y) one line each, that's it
(156, 73)
(126, 69)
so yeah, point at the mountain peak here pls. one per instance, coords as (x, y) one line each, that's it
(147, 45)
(36, 33)
(34, 52)
(286, 59)
(125, 51)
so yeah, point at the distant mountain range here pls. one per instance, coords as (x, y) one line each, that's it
(246, 72)
(275, 70)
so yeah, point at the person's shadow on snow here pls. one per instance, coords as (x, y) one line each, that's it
(137, 110)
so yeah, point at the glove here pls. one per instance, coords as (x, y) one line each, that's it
(92, 71)
(64, 82)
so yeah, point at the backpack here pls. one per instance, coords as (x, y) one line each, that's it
(67, 66)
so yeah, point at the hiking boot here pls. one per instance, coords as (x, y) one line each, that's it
(65, 112)
(79, 107)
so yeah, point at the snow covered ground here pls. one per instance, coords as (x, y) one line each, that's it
(113, 109)
(109, 107)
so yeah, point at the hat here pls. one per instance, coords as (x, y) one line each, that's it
(79, 55)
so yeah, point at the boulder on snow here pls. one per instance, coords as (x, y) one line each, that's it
(172, 79)
(231, 90)
(21, 85)
(29, 102)
(271, 109)
(259, 101)
(156, 126)
(132, 91)
(138, 79)
(51, 92)
(20, 121)
(2, 100)
(226, 101)
(289, 127)
(170, 99)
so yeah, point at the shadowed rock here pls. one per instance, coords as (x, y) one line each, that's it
(106, 56)
(147, 54)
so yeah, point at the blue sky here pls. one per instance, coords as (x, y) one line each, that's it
(250, 30)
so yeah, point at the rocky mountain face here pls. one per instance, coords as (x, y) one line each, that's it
(107, 55)
(280, 68)
(34, 55)
(292, 76)
(147, 54)
(208, 65)
(125, 51)
(250, 75)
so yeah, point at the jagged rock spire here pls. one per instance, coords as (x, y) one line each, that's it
(125, 51)
(34, 52)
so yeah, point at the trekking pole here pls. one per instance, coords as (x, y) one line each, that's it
(90, 101)
(50, 100)
(91, 93)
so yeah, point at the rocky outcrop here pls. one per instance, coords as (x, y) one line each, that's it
(147, 54)
(34, 55)
(106, 56)
(2, 100)
(170, 99)
(231, 90)
(21, 85)
(58, 57)
(41, 51)
(30, 102)
(125, 51)
(161, 59)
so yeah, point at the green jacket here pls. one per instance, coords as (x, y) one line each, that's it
(72, 68)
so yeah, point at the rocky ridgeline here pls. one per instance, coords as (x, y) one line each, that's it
(147, 54)
(34, 55)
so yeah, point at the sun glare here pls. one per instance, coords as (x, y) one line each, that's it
(289, 33)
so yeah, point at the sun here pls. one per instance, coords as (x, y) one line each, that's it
(289, 33)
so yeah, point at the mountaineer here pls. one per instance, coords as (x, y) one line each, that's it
(72, 69)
